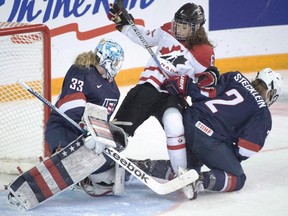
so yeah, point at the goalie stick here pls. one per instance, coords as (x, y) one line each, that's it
(139, 35)
(160, 188)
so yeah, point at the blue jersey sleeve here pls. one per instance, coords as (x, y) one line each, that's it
(252, 138)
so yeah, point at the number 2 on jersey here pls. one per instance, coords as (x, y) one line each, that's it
(238, 99)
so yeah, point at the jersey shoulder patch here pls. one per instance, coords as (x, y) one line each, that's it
(167, 27)
(204, 54)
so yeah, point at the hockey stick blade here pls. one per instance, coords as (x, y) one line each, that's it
(159, 188)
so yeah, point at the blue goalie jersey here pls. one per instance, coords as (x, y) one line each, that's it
(82, 85)
(234, 112)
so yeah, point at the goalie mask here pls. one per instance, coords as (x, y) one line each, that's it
(110, 55)
(273, 83)
(187, 20)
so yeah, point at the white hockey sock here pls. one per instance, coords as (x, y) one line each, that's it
(177, 152)
(176, 143)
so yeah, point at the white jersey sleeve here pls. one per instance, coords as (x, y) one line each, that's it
(151, 38)
(174, 57)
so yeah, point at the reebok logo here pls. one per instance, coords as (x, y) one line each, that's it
(126, 163)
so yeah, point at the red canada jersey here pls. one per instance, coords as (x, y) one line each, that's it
(174, 57)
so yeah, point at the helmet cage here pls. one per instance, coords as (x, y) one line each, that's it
(110, 56)
(273, 82)
(272, 96)
(179, 33)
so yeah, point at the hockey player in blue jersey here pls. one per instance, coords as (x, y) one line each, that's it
(224, 126)
(76, 153)
(89, 79)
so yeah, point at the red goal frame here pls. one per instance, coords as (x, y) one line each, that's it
(10, 28)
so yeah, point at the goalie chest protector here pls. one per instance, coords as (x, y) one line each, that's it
(55, 174)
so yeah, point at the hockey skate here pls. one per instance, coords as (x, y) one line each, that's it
(191, 191)
(109, 182)
(157, 168)
(162, 169)
(94, 189)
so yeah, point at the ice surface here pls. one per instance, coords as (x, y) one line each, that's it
(264, 194)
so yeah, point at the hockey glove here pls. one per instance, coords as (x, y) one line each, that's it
(97, 147)
(115, 15)
(208, 79)
(176, 85)
(119, 136)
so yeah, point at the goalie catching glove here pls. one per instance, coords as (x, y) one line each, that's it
(115, 15)
(102, 134)
(98, 146)
(208, 79)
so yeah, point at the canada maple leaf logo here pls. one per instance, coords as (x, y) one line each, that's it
(175, 59)
(166, 50)
(171, 56)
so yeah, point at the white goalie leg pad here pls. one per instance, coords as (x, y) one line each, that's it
(107, 177)
(118, 188)
(114, 176)
(54, 175)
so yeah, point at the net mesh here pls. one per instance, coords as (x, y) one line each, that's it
(21, 114)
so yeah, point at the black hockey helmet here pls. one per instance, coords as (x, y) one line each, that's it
(189, 14)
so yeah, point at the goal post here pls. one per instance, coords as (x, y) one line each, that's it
(25, 54)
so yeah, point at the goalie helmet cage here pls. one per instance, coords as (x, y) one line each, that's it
(25, 54)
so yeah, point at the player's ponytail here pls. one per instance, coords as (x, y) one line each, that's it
(86, 59)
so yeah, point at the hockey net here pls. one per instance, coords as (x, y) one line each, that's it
(24, 55)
